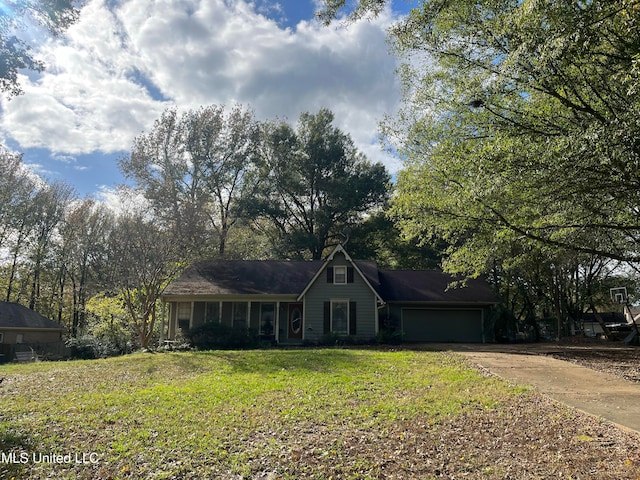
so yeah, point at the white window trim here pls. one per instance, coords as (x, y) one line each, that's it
(343, 269)
(340, 300)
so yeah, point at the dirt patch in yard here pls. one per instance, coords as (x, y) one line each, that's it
(621, 362)
(536, 438)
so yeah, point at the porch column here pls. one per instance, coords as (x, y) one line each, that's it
(171, 327)
(164, 305)
(277, 322)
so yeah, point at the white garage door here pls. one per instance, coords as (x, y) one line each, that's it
(441, 325)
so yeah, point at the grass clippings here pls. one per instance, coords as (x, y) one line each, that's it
(308, 413)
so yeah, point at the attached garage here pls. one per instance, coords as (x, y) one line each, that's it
(442, 325)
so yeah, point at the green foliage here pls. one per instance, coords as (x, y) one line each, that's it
(519, 127)
(213, 335)
(108, 319)
(15, 16)
(144, 259)
(314, 185)
(389, 336)
(379, 238)
(195, 169)
(108, 331)
(88, 347)
(332, 9)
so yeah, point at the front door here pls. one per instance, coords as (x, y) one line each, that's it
(295, 321)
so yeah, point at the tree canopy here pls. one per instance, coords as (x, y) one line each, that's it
(55, 16)
(314, 184)
(519, 120)
(194, 170)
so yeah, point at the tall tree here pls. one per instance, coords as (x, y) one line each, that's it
(379, 238)
(193, 170)
(223, 147)
(517, 120)
(314, 184)
(50, 204)
(16, 190)
(83, 249)
(55, 16)
(143, 260)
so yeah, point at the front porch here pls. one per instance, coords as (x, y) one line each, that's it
(279, 320)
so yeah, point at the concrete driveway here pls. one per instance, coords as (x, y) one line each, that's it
(596, 393)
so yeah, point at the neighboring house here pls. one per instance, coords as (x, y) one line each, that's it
(615, 322)
(22, 329)
(296, 301)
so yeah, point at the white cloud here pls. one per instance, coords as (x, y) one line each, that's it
(93, 95)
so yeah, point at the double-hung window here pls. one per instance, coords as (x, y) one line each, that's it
(240, 311)
(184, 315)
(340, 275)
(340, 317)
(267, 318)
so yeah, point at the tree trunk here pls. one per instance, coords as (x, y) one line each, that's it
(76, 321)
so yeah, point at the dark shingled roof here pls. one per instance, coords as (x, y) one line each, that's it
(290, 277)
(431, 286)
(607, 317)
(244, 277)
(14, 315)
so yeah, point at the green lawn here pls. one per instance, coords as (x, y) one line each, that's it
(314, 413)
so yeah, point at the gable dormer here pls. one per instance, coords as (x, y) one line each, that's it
(340, 269)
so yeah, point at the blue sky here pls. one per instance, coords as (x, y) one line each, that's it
(125, 61)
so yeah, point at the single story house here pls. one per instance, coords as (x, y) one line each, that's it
(23, 329)
(296, 301)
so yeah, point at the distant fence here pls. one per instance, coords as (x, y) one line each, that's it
(45, 351)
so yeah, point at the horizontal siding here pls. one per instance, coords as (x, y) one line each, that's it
(322, 291)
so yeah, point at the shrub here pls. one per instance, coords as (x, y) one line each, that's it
(389, 336)
(211, 336)
(89, 347)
